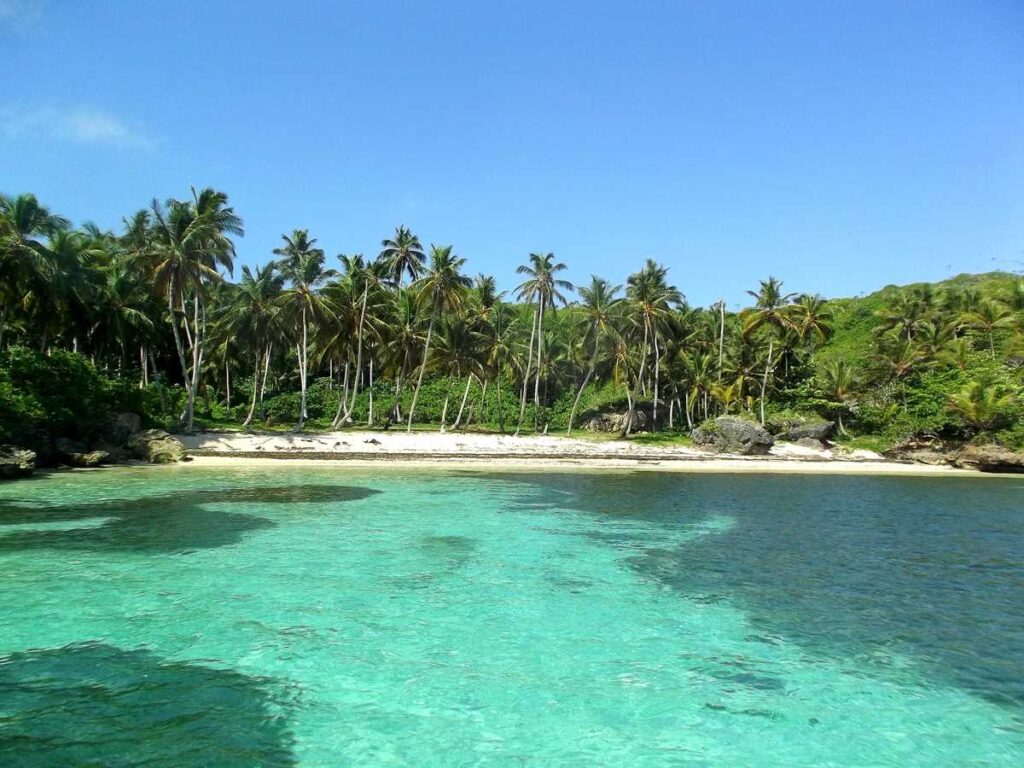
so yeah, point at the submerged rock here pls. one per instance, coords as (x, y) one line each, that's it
(155, 446)
(730, 434)
(16, 462)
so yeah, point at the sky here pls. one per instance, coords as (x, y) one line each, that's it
(839, 146)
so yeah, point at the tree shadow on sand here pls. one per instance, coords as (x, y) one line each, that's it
(172, 522)
(96, 704)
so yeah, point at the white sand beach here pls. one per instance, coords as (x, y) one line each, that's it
(492, 451)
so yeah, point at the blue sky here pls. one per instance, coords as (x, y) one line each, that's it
(838, 146)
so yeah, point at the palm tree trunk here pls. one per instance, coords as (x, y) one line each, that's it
(764, 379)
(396, 409)
(227, 383)
(423, 367)
(540, 367)
(526, 375)
(359, 357)
(657, 375)
(501, 411)
(302, 351)
(721, 337)
(483, 404)
(462, 406)
(586, 380)
(444, 412)
(263, 383)
(369, 418)
(197, 362)
(255, 393)
(342, 398)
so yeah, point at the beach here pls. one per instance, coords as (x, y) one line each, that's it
(477, 451)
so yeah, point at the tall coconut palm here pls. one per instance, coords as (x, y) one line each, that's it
(989, 317)
(543, 289)
(599, 304)
(302, 265)
(839, 383)
(252, 317)
(403, 254)
(441, 289)
(770, 312)
(189, 243)
(651, 300)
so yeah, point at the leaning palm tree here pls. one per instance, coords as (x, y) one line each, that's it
(441, 289)
(599, 303)
(839, 383)
(403, 254)
(544, 290)
(302, 265)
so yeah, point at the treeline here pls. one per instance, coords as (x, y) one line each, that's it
(406, 336)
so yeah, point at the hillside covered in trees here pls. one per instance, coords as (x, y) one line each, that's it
(155, 319)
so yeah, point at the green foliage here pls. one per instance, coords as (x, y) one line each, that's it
(43, 397)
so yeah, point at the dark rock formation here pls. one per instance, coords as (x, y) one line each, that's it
(16, 462)
(796, 429)
(76, 454)
(729, 434)
(616, 422)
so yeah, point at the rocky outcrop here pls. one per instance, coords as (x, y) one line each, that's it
(729, 434)
(155, 446)
(797, 429)
(989, 458)
(616, 422)
(16, 462)
(75, 454)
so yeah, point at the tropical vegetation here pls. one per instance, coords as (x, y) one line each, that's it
(151, 317)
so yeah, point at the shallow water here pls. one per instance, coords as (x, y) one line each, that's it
(329, 616)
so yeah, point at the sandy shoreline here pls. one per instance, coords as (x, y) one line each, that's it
(480, 452)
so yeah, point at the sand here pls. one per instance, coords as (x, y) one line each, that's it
(490, 452)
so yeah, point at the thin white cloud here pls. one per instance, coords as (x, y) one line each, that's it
(81, 125)
(21, 15)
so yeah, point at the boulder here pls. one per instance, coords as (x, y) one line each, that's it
(16, 462)
(122, 426)
(729, 434)
(155, 446)
(77, 455)
(616, 422)
(990, 458)
(811, 442)
(796, 429)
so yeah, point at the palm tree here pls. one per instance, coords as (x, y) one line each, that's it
(251, 317)
(981, 406)
(542, 289)
(838, 384)
(188, 244)
(769, 312)
(403, 254)
(303, 267)
(25, 261)
(990, 316)
(599, 305)
(651, 300)
(811, 318)
(442, 289)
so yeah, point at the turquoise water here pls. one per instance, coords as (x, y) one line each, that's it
(327, 617)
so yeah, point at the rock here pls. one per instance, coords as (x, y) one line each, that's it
(729, 434)
(16, 462)
(155, 446)
(616, 422)
(811, 442)
(75, 454)
(123, 426)
(796, 429)
(990, 458)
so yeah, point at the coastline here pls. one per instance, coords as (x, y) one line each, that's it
(479, 452)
